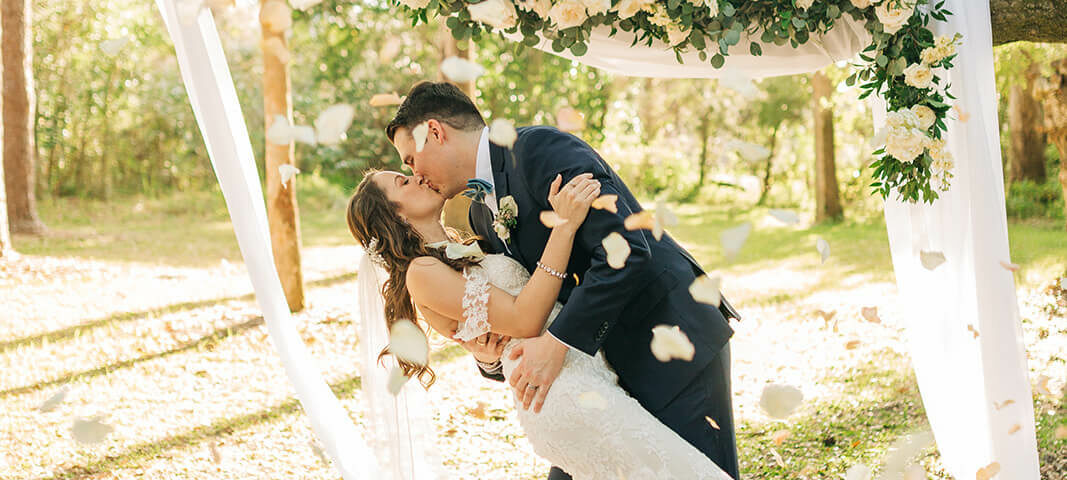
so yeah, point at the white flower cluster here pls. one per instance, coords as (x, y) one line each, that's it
(944, 47)
(894, 16)
(905, 136)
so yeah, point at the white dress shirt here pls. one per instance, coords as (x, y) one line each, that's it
(483, 169)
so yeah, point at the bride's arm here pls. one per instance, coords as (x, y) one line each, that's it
(440, 289)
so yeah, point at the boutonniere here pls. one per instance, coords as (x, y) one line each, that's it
(506, 218)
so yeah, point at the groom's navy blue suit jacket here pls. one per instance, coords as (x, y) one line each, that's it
(605, 308)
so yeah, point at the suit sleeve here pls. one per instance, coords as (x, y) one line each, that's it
(595, 305)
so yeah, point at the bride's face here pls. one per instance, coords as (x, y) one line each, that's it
(415, 202)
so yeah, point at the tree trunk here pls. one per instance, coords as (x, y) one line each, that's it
(455, 211)
(1027, 140)
(705, 143)
(282, 212)
(18, 116)
(827, 198)
(1030, 20)
(1052, 92)
(765, 187)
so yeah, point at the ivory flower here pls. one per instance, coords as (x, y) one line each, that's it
(496, 13)
(905, 144)
(568, 14)
(918, 76)
(925, 116)
(675, 35)
(629, 8)
(538, 7)
(596, 7)
(894, 17)
(804, 4)
(861, 3)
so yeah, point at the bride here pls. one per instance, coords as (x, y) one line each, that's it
(589, 426)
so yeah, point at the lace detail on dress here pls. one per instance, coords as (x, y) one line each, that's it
(475, 304)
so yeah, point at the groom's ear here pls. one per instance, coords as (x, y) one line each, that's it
(436, 131)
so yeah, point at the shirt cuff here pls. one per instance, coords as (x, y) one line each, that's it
(560, 341)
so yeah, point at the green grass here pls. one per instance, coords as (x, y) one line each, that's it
(185, 229)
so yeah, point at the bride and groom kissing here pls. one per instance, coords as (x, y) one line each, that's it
(542, 308)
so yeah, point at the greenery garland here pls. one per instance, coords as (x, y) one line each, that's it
(899, 63)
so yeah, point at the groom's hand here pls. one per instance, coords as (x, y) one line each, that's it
(542, 359)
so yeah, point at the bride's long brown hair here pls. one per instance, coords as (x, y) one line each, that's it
(372, 216)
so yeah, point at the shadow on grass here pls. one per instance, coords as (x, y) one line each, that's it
(143, 452)
(209, 339)
(878, 404)
(122, 317)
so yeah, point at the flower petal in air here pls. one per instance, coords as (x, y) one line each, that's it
(780, 401)
(408, 342)
(397, 379)
(609, 202)
(552, 219)
(670, 342)
(332, 123)
(461, 70)
(419, 133)
(502, 132)
(706, 289)
(287, 172)
(930, 259)
(617, 248)
(90, 430)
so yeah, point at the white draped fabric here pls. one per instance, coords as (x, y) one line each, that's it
(960, 377)
(214, 101)
(614, 54)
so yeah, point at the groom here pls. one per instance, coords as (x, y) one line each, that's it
(604, 308)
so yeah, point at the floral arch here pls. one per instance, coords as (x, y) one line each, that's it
(910, 61)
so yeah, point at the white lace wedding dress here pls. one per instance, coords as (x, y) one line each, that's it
(589, 426)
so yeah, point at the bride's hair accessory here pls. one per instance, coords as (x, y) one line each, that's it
(372, 252)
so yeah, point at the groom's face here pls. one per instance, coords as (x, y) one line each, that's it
(436, 166)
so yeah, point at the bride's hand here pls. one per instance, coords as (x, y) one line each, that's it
(572, 201)
(487, 348)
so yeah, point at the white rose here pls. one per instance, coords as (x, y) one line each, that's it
(931, 55)
(902, 119)
(905, 144)
(538, 7)
(596, 7)
(416, 4)
(675, 35)
(496, 13)
(568, 14)
(629, 8)
(918, 75)
(804, 4)
(892, 17)
(502, 231)
(861, 3)
(925, 115)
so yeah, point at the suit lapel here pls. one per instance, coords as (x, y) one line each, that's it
(501, 160)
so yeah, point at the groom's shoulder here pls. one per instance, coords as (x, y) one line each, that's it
(542, 136)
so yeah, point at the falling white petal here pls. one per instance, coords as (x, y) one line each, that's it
(915, 472)
(607, 202)
(987, 472)
(502, 132)
(113, 46)
(706, 289)
(733, 239)
(787, 217)
(859, 471)
(750, 152)
(455, 250)
(397, 379)
(216, 455)
(1063, 283)
(287, 173)
(57, 398)
(552, 219)
(740, 84)
(780, 401)
(592, 400)
(712, 422)
(385, 100)
(617, 248)
(1061, 432)
(390, 50)
(670, 342)
(332, 123)
(90, 430)
(461, 70)
(931, 260)
(419, 133)
(1011, 267)
(903, 450)
(870, 314)
(280, 132)
(570, 120)
(408, 342)
(276, 16)
(303, 134)
(823, 247)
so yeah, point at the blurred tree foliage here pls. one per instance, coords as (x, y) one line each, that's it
(116, 122)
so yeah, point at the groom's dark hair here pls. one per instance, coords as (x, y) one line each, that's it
(437, 100)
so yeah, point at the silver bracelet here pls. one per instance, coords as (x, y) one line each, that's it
(551, 271)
